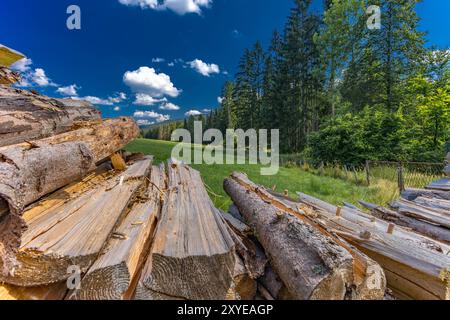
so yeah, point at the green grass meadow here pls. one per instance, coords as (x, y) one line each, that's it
(294, 179)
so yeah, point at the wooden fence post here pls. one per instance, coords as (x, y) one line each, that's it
(368, 172)
(401, 181)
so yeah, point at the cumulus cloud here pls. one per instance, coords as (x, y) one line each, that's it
(203, 68)
(220, 99)
(144, 122)
(22, 65)
(169, 107)
(181, 7)
(143, 99)
(146, 80)
(158, 117)
(40, 78)
(69, 90)
(103, 102)
(193, 113)
(116, 109)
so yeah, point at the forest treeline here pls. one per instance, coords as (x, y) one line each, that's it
(342, 92)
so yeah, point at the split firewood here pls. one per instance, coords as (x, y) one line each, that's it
(411, 209)
(244, 286)
(427, 229)
(73, 233)
(111, 276)
(413, 194)
(31, 170)
(192, 255)
(443, 185)
(51, 292)
(312, 262)
(413, 263)
(26, 116)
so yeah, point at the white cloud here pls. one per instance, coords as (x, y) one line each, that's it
(171, 64)
(203, 68)
(158, 60)
(220, 100)
(181, 7)
(143, 122)
(40, 78)
(192, 113)
(143, 99)
(151, 115)
(95, 100)
(22, 65)
(169, 106)
(69, 90)
(146, 80)
(206, 110)
(116, 109)
(119, 97)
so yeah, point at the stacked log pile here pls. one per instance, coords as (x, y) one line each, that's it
(352, 249)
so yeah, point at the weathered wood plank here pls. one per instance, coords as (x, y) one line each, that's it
(112, 274)
(74, 233)
(434, 203)
(411, 209)
(413, 194)
(31, 170)
(443, 184)
(427, 229)
(192, 255)
(418, 259)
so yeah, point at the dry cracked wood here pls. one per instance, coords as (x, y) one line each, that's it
(74, 233)
(415, 266)
(411, 209)
(244, 285)
(427, 229)
(413, 194)
(434, 203)
(112, 274)
(52, 292)
(29, 171)
(312, 262)
(26, 116)
(443, 185)
(192, 255)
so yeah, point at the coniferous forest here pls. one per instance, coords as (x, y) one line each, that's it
(339, 91)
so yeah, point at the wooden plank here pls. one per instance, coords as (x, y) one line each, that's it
(192, 255)
(52, 292)
(407, 254)
(411, 209)
(312, 262)
(412, 194)
(29, 171)
(74, 233)
(422, 227)
(111, 276)
(434, 203)
(443, 184)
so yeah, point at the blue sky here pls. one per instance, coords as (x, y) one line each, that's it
(114, 54)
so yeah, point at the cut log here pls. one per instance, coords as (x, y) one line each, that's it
(192, 255)
(427, 229)
(413, 194)
(112, 274)
(443, 185)
(26, 116)
(410, 209)
(412, 263)
(312, 263)
(75, 232)
(32, 170)
(51, 293)
(434, 203)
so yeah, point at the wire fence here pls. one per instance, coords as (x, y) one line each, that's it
(401, 174)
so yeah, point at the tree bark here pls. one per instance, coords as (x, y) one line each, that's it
(31, 170)
(74, 231)
(193, 255)
(26, 116)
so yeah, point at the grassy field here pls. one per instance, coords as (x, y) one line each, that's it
(293, 179)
